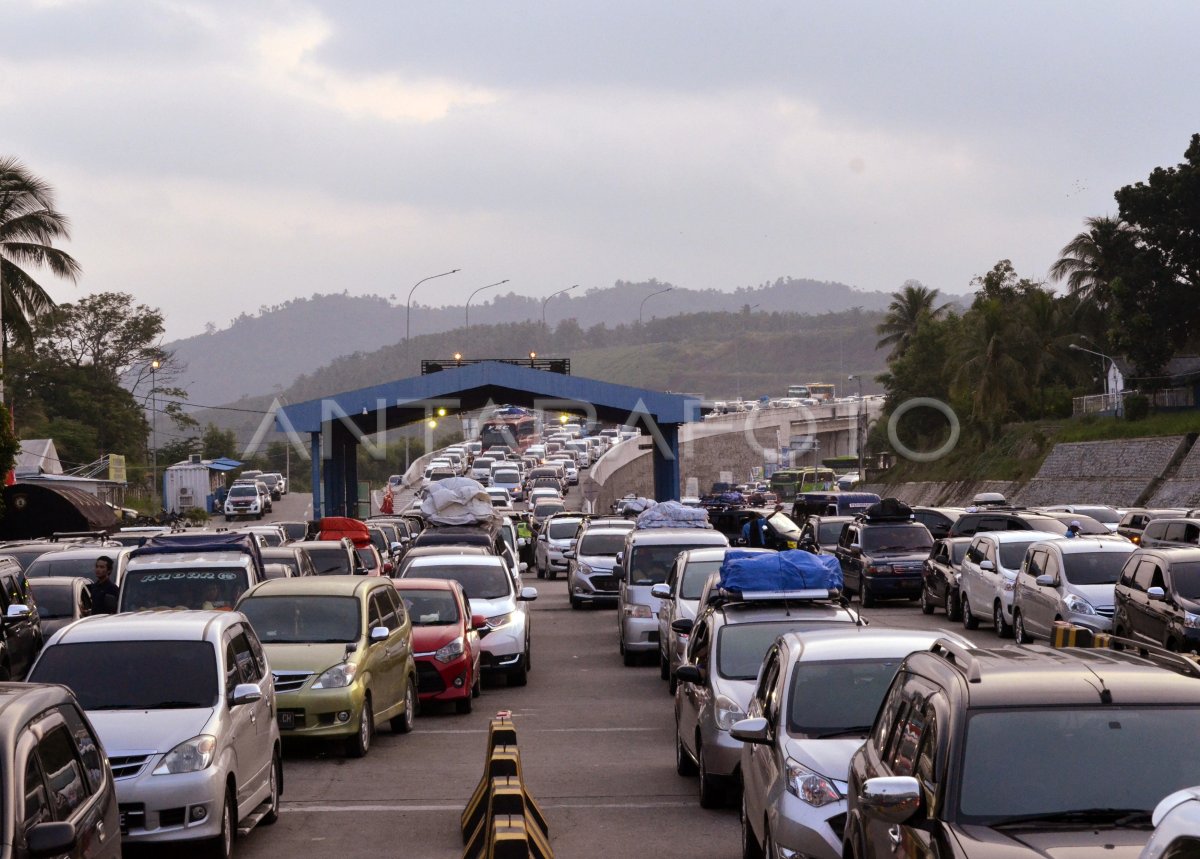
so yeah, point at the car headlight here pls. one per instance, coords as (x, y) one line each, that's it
(1079, 605)
(638, 610)
(338, 677)
(585, 570)
(189, 756)
(450, 651)
(499, 620)
(728, 712)
(1191, 621)
(814, 789)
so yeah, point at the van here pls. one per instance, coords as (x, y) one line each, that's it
(580, 447)
(202, 571)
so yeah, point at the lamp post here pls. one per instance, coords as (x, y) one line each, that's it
(1117, 402)
(467, 333)
(154, 365)
(550, 296)
(647, 298)
(408, 305)
(861, 425)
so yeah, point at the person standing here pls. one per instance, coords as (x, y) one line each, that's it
(104, 591)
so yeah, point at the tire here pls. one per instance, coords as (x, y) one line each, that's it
(221, 847)
(358, 745)
(1003, 628)
(684, 765)
(711, 789)
(464, 705)
(519, 676)
(953, 609)
(541, 574)
(576, 604)
(403, 724)
(751, 849)
(272, 816)
(865, 597)
(1019, 629)
(629, 657)
(926, 605)
(969, 620)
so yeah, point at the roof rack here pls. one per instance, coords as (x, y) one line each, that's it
(721, 596)
(1070, 635)
(959, 657)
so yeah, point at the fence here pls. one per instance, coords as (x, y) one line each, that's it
(1167, 398)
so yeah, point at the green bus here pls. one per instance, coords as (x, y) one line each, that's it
(788, 482)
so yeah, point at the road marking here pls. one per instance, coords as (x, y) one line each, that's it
(403, 808)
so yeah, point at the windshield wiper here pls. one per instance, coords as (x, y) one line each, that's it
(1116, 816)
(842, 732)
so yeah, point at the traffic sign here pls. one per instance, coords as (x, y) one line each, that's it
(590, 489)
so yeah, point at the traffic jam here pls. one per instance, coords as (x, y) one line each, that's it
(171, 675)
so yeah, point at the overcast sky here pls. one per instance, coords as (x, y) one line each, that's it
(215, 157)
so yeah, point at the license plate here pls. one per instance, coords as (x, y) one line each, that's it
(124, 824)
(287, 720)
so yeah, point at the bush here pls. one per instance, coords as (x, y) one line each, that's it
(1137, 407)
(196, 515)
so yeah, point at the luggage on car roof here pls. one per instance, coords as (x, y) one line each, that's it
(889, 510)
(672, 514)
(789, 570)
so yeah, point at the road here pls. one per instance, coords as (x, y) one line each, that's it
(597, 750)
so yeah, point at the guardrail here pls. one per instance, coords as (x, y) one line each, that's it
(501, 820)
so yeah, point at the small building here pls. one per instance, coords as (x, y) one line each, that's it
(196, 482)
(37, 456)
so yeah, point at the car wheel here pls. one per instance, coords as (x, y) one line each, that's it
(1003, 628)
(1019, 629)
(711, 787)
(519, 676)
(865, 597)
(684, 765)
(272, 815)
(926, 605)
(477, 686)
(576, 604)
(403, 724)
(221, 847)
(953, 610)
(358, 745)
(464, 705)
(751, 849)
(969, 620)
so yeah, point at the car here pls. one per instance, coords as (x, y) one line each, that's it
(492, 593)
(1009, 519)
(274, 483)
(333, 557)
(481, 469)
(1107, 516)
(341, 654)
(820, 534)
(940, 577)
(814, 702)
(294, 530)
(538, 493)
(939, 520)
(1176, 826)
(1158, 598)
(509, 479)
(210, 576)
(590, 576)
(1170, 531)
(437, 551)
(968, 750)
(26, 553)
(79, 563)
(883, 557)
(445, 641)
(724, 654)
(190, 735)
(988, 574)
(372, 562)
(644, 561)
(1133, 521)
(541, 510)
(294, 557)
(22, 625)
(554, 539)
(244, 501)
(493, 537)
(51, 759)
(499, 496)
(60, 601)
(1067, 580)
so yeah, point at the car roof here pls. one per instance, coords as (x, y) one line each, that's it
(319, 544)
(717, 553)
(173, 625)
(89, 552)
(1174, 553)
(810, 611)
(180, 559)
(604, 530)
(1018, 536)
(852, 641)
(314, 586)
(445, 549)
(57, 581)
(1089, 544)
(458, 560)
(668, 536)
(20, 702)
(419, 584)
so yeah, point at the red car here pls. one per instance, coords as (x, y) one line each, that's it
(445, 640)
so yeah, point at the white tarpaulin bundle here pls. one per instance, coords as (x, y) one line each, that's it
(456, 501)
(672, 514)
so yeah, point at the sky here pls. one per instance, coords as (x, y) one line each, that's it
(217, 157)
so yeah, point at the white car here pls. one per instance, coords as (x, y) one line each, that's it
(244, 501)
(499, 496)
(544, 492)
(509, 479)
(988, 576)
(1176, 822)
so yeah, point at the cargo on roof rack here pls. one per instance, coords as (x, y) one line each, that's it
(888, 510)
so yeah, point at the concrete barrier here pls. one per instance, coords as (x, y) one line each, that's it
(501, 819)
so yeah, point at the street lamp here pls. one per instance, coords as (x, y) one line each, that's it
(408, 305)
(550, 296)
(647, 298)
(154, 365)
(861, 424)
(1108, 358)
(468, 308)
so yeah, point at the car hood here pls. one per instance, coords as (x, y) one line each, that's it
(124, 731)
(830, 758)
(1100, 596)
(426, 639)
(491, 608)
(1052, 843)
(599, 562)
(305, 657)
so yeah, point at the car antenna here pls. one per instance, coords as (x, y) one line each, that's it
(1105, 692)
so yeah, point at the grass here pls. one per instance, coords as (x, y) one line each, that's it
(1101, 429)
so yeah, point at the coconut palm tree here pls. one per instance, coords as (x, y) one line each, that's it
(1090, 261)
(29, 225)
(912, 303)
(990, 367)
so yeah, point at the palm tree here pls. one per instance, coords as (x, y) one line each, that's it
(912, 304)
(1091, 260)
(990, 369)
(29, 224)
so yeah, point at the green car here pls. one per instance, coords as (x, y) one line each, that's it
(340, 649)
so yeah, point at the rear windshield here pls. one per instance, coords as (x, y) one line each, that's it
(1094, 568)
(53, 602)
(601, 544)
(506, 477)
(1105, 515)
(562, 530)
(829, 532)
(430, 608)
(330, 562)
(133, 675)
(304, 619)
(1012, 554)
(898, 538)
(541, 511)
(479, 582)
(650, 564)
(207, 589)
(48, 566)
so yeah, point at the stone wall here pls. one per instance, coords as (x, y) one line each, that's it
(1183, 488)
(1116, 472)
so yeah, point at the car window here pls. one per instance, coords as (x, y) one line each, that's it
(37, 805)
(382, 608)
(247, 666)
(86, 745)
(927, 753)
(397, 606)
(699, 646)
(256, 650)
(64, 773)
(769, 673)
(1035, 563)
(1129, 571)
(1144, 576)
(374, 613)
(231, 669)
(908, 741)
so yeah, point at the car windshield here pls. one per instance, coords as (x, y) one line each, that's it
(270, 479)
(51, 566)
(303, 619)
(133, 675)
(695, 575)
(430, 608)
(1103, 514)
(563, 529)
(829, 533)
(898, 538)
(1054, 526)
(243, 491)
(1185, 579)
(53, 601)
(742, 646)
(541, 511)
(650, 564)
(206, 589)
(601, 544)
(506, 477)
(1012, 553)
(838, 697)
(1155, 745)
(1094, 568)
(479, 581)
(330, 562)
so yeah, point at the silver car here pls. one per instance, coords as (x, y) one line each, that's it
(814, 704)
(590, 576)
(715, 684)
(557, 536)
(1071, 580)
(644, 562)
(184, 703)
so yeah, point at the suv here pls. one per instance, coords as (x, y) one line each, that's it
(1134, 522)
(644, 562)
(1069, 580)
(968, 753)
(22, 633)
(1008, 519)
(939, 520)
(590, 577)
(820, 534)
(333, 557)
(190, 733)
(883, 558)
(1169, 531)
(1158, 598)
(557, 536)
(988, 575)
(724, 653)
(943, 568)
(59, 794)
(244, 500)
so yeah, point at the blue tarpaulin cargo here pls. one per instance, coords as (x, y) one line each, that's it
(789, 570)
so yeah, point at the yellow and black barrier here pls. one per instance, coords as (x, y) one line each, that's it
(501, 819)
(1069, 635)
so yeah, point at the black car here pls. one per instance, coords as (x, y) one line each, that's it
(58, 789)
(883, 558)
(941, 576)
(1158, 598)
(821, 533)
(22, 625)
(968, 753)
(1000, 519)
(938, 520)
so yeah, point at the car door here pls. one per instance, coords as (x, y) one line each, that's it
(243, 734)
(850, 561)
(264, 722)
(1139, 607)
(970, 582)
(399, 640)
(382, 658)
(667, 609)
(993, 580)
(761, 762)
(1036, 600)
(691, 697)
(21, 630)
(1158, 613)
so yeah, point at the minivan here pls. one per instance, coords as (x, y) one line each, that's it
(1070, 580)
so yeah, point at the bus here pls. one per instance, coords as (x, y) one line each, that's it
(822, 392)
(798, 392)
(516, 432)
(787, 483)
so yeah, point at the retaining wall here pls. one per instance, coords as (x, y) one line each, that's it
(1118, 472)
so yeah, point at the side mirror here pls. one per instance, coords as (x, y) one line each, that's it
(404, 541)
(1045, 581)
(17, 610)
(756, 730)
(855, 549)
(987, 566)
(527, 594)
(244, 693)
(396, 547)
(542, 538)
(620, 559)
(688, 674)
(892, 799)
(683, 625)
(51, 839)
(569, 554)
(661, 592)
(378, 633)
(478, 622)
(1156, 594)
